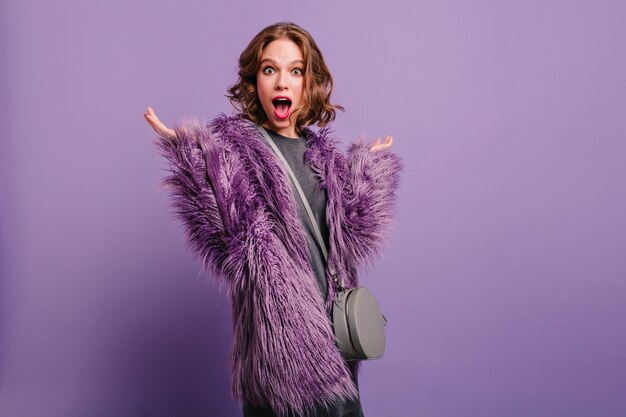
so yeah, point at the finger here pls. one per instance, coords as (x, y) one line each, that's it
(156, 120)
(156, 124)
(150, 119)
(153, 115)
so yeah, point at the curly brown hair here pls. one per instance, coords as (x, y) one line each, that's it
(318, 83)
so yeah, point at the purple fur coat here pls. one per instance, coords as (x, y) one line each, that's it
(244, 228)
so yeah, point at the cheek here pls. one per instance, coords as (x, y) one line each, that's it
(262, 92)
(298, 88)
(261, 87)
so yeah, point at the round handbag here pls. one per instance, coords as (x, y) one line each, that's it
(359, 324)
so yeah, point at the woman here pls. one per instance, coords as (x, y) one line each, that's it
(250, 230)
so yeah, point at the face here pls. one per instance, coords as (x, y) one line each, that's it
(279, 85)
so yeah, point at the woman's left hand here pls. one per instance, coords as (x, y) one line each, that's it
(377, 145)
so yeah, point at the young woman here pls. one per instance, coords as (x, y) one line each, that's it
(249, 229)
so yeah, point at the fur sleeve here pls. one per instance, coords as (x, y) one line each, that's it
(370, 181)
(193, 191)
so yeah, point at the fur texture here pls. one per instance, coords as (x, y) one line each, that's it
(241, 221)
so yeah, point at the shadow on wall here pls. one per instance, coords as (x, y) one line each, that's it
(181, 361)
(5, 177)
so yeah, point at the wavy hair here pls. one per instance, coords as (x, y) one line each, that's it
(318, 83)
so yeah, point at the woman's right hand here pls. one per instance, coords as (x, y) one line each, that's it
(157, 124)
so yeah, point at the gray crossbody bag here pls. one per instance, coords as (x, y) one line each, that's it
(358, 323)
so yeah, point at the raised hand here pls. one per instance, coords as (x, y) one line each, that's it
(157, 124)
(377, 145)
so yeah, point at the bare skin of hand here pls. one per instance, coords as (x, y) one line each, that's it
(157, 124)
(377, 145)
(161, 128)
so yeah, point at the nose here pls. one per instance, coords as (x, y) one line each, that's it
(281, 81)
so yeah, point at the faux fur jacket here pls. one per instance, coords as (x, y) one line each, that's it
(240, 215)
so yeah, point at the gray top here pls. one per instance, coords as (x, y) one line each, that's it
(293, 150)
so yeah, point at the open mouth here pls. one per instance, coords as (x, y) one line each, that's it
(282, 107)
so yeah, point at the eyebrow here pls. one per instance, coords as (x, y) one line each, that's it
(291, 63)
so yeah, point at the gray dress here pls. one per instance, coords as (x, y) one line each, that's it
(293, 150)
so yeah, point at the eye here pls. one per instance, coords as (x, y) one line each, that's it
(268, 70)
(297, 71)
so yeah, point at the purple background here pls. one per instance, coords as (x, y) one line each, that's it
(505, 280)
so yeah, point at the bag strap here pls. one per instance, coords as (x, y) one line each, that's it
(316, 229)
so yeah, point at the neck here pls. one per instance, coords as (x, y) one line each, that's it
(288, 132)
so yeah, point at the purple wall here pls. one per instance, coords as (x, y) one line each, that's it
(505, 280)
